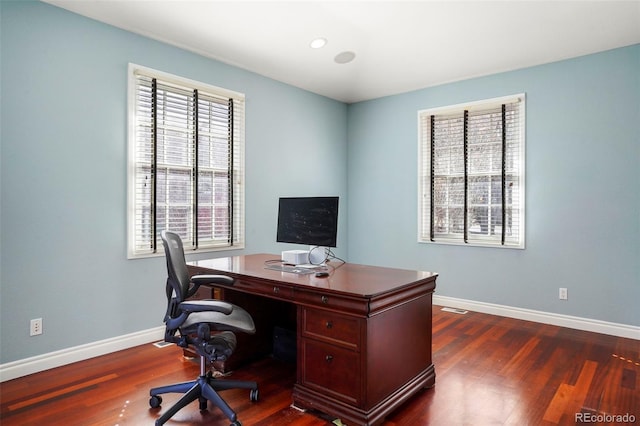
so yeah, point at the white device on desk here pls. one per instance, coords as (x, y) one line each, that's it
(295, 257)
(315, 256)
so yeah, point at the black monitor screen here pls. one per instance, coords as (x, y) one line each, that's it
(308, 220)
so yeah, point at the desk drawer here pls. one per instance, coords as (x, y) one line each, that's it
(358, 306)
(277, 291)
(331, 370)
(331, 327)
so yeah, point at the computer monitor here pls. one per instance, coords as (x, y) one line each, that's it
(311, 221)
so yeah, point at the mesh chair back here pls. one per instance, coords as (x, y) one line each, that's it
(178, 281)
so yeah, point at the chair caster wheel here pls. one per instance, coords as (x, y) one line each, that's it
(155, 401)
(203, 404)
(253, 395)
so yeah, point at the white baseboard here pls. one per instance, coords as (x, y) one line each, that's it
(24, 367)
(586, 324)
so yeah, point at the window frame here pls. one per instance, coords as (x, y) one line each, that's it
(425, 219)
(236, 163)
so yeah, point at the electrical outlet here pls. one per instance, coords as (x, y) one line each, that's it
(36, 327)
(562, 294)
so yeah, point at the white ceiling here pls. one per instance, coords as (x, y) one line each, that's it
(399, 45)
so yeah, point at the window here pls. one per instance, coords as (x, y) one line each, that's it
(186, 163)
(471, 183)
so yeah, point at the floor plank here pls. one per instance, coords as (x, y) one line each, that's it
(490, 371)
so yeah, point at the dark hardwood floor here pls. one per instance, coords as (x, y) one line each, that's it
(490, 371)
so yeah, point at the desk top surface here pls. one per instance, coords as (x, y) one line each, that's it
(348, 278)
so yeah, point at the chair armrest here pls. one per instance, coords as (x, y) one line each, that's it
(199, 280)
(189, 306)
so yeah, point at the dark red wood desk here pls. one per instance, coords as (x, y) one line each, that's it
(363, 333)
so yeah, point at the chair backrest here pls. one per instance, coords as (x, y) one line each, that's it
(178, 281)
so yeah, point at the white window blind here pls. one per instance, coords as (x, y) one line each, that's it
(186, 163)
(472, 173)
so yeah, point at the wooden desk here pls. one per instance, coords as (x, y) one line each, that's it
(363, 333)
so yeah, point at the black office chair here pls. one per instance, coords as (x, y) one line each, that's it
(205, 325)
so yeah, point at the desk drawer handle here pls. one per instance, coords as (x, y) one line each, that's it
(276, 290)
(324, 299)
(328, 358)
(329, 324)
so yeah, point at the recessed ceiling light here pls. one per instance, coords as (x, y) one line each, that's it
(318, 43)
(344, 57)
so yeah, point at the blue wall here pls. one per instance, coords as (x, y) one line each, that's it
(582, 197)
(64, 148)
(63, 180)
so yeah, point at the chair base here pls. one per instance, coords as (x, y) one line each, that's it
(204, 388)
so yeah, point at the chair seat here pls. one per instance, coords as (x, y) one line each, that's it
(238, 320)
